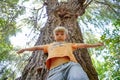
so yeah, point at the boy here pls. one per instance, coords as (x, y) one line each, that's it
(61, 62)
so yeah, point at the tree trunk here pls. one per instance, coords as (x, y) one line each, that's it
(59, 14)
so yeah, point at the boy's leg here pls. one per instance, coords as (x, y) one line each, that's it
(55, 74)
(76, 72)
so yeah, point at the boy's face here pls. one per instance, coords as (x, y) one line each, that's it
(60, 36)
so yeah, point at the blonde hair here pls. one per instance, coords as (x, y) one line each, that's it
(60, 28)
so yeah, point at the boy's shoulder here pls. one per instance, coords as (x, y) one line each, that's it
(67, 43)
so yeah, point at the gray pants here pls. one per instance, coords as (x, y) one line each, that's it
(68, 71)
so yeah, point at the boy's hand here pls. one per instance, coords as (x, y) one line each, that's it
(100, 44)
(21, 51)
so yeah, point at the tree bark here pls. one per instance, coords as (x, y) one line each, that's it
(59, 14)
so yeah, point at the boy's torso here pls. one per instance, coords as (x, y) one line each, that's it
(59, 53)
(59, 49)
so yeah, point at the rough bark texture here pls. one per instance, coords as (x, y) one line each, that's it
(59, 14)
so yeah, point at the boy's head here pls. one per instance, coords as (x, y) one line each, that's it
(60, 29)
(60, 33)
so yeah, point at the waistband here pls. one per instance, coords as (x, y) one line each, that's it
(60, 66)
(65, 65)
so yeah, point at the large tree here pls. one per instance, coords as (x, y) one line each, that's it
(60, 14)
(63, 14)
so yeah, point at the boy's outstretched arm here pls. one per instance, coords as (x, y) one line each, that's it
(31, 49)
(82, 45)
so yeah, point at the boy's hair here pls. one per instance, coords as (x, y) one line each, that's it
(60, 28)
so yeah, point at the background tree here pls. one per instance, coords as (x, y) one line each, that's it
(105, 19)
(9, 11)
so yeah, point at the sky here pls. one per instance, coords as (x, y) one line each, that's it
(21, 38)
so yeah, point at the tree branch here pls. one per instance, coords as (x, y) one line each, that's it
(105, 3)
(87, 3)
